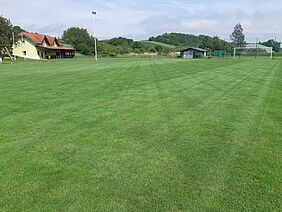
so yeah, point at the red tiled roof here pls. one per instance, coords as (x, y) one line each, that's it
(50, 39)
(36, 38)
(39, 38)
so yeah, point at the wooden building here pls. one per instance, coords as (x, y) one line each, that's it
(192, 52)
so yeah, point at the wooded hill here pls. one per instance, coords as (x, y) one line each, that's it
(189, 40)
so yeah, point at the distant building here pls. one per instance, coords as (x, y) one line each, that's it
(191, 52)
(37, 46)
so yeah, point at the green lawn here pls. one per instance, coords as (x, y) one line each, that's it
(141, 135)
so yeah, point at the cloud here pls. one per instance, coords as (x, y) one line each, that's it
(142, 19)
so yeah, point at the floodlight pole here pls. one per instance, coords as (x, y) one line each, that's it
(13, 35)
(22, 44)
(95, 39)
(256, 48)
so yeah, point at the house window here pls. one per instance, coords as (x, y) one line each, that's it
(23, 43)
(38, 53)
(24, 53)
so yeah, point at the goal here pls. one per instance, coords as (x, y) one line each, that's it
(253, 51)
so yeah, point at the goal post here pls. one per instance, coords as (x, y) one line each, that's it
(253, 51)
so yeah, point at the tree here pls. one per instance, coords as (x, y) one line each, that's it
(6, 29)
(123, 45)
(106, 49)
(274, 44)
(138, 45)
(80, 39)
(238, 36)
(121, 42)
(120, 46)
(17, 30)
(162, 50)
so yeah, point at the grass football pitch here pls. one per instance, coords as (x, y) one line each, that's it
(141, 135)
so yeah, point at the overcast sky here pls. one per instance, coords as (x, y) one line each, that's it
(140, 19)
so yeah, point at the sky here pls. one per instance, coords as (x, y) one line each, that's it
(141, 19)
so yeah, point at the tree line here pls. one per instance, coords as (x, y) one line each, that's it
(83, 42)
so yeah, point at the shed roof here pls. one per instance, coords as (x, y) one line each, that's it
(194, 48)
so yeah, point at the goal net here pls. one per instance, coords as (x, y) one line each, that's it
(253, 51)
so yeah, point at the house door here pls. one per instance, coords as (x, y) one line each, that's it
(188, 54)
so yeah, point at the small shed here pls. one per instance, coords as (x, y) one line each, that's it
(192, 52)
